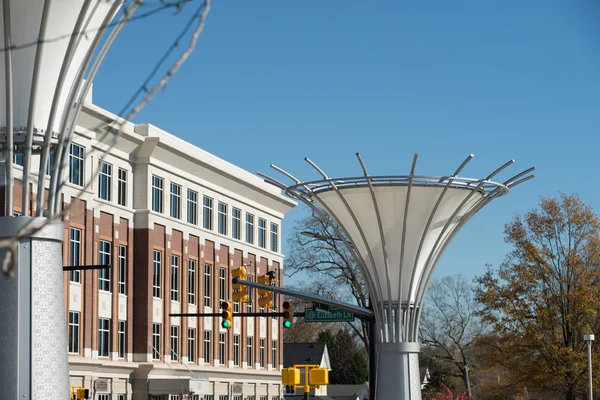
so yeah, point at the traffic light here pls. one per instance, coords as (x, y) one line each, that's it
(265, 297)
(290, 376)
(288, 314)
(319, 376)
(240, 292)
(226, 314)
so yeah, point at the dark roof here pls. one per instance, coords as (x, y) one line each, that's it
(343, 390)
(303, 353)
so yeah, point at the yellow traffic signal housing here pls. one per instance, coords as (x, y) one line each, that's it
(319, 376)
(265, 280)
(83, 393)
(290, 376)
(226, 314)
(266, 301)
(288, 314)
(240, 273)
(240, 295)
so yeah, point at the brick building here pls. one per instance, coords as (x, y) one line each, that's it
(171, 220)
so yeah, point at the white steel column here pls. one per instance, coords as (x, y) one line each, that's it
(33, 338)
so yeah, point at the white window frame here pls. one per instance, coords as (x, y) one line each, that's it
(158, 187)
(174, 342)
(122, 187)
(192, 207)
(156, 330)
(191, 345)
(104, 258)
(274, 353)
(75, 253)
(157, 274)
(122, 272)
(223, 216)
(175, 200)
(249, 228)
(222, 284)
(262, 233)
(236, 350)
(192, 268)
(207, 213)
(207, 346)
(105, 181)
(222, 348)
(122, 338)
(261, 352)
(103, 337)
(74, 331)
(175, 277)
(236, 223)
(207, 284)
(274, 237)
(77, 164)
(250, 351)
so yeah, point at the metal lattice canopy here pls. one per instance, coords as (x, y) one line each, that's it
(397, 227)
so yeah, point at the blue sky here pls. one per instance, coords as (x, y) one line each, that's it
(277, 81)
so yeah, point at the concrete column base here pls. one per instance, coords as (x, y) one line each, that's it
(398, 374)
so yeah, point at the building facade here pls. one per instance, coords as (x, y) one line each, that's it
(171, 220)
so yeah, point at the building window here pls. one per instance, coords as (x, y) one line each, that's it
(207, 347)
(122, 269)
(18, 158)
(121, 396)
(50, 167)
(192, 207)
(222, 283)
(156, 341)
(157, 193)
(191, 345)
(103, 337)
(73, 332)
(236, 223)
(122, 339)
(207, 285)
(157, 269)
(264, 398)
(262, 233)
(75, 253)
(103, 397)
(236, 350)
(262, 352)
(250, 228)
(274, 237)
(174, 342)
(104, 257)
(274, 354)
(76, 160)
(223, 397)
(192, 281)
(222, 348)
(175, 278)
(223, 218)
(175, 200)
(208, 213)
(249, 351)
(236, 306)
(122, 187)
(105, 181)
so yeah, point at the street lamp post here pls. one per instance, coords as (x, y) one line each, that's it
(589, 339)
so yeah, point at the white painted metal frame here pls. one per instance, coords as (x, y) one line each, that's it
(398, 321)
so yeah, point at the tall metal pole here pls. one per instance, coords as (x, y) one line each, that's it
(372, 359)
(589, 339)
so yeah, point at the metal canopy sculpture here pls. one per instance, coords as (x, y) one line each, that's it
(47, 66)
(396, 228)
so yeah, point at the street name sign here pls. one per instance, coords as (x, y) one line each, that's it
(333, 315)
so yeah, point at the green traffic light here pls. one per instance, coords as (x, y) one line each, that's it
(287, 324)
(225, 324)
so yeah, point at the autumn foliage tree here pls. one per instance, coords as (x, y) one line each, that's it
(545, 297)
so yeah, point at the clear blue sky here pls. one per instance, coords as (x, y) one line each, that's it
(276, 81)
